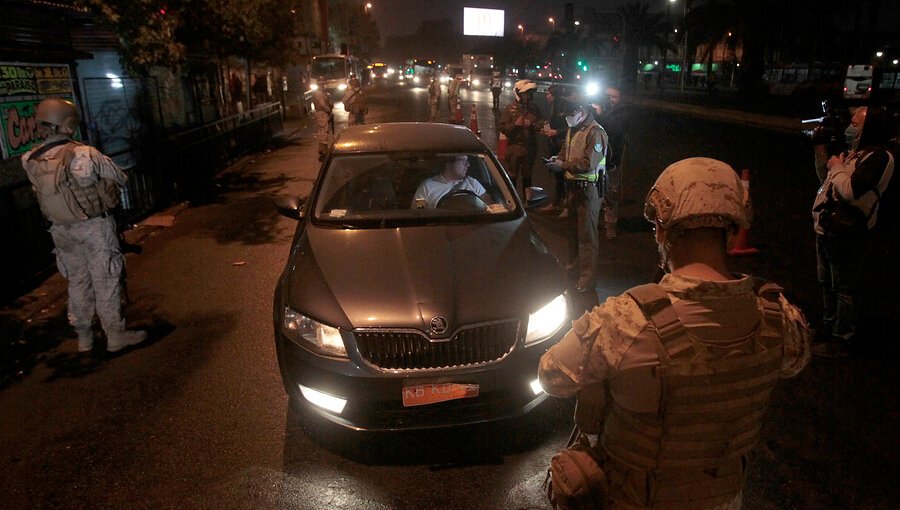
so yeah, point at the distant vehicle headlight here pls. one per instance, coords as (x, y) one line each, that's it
(415, 79)
(592, 88)
(546, 321)
(342, 86)
(508, 84)
(445, 79)
(313, 86)
(476, 82)
(318, 337)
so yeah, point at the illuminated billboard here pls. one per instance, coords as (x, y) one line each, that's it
(483, 22)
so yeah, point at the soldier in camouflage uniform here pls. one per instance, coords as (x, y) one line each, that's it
(675, 377)
(355, 103)
(434, 97)
(76, 186)
(324, 116)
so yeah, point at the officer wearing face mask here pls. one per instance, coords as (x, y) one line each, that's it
(582, 160)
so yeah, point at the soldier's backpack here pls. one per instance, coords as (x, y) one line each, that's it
(61, 199)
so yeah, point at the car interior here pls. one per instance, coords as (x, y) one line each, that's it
(370, 185)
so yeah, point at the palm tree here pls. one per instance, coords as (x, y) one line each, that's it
(640, 29)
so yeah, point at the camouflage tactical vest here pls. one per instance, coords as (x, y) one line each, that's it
(692, 452)
(62, 200)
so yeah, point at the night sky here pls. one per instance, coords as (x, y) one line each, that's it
(401, 17)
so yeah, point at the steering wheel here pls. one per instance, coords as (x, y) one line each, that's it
(461, 200)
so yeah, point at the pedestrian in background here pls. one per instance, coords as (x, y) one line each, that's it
(323, 106)
(521, 122)
(355, 103)
(844, 212)
(675, 377)
(496, 88)
(582, 160)
(77, 187)
(555, 130)
(434, 97)
(615, 121)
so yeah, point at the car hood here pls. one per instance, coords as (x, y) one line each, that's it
(404, 277)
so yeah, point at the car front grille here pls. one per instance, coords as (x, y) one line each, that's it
(411, 350)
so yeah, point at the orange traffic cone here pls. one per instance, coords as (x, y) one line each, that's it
(740, 240)
(501, 147)
(457, 117)
(473, 121)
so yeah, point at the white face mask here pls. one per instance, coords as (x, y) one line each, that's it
(850, 133)
(575, 119)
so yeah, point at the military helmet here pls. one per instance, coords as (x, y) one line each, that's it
(698, 192)
(60, 113)
(523, 86)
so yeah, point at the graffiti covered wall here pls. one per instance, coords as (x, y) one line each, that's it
(22, 87)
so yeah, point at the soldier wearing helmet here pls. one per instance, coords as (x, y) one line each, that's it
(355, 103)
(324, 107)
(77, 187)
(521, 122)
(675, 377)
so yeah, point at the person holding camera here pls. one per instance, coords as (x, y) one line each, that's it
(844, 211)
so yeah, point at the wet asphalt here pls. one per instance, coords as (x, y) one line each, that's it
(198, 418)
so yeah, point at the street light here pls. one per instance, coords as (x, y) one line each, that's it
(683, 43)
(521, 30)
(552, 23)
(368, 6)
(666, 49)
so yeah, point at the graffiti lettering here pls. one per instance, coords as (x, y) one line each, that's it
(20, 131)
(8, 72)
(12, 87)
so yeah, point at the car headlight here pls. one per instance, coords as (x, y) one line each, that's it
(313, 86)
(415, 79)
(306, 332)
(508, 84)
(592, 88)
(342, 86)
(476, 82)
(547, 320)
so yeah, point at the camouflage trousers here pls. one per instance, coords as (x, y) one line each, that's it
(612, 189)
(322, 126)
(89, 257)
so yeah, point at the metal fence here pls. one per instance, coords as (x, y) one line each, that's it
(165, 171)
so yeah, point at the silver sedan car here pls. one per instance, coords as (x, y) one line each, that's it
(416, 293)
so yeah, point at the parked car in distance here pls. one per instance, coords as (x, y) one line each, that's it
(411, 299)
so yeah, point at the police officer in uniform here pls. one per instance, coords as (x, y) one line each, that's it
(675, 377)
(582, 160)
(453, 93)
(324, 116)
(76, 186)
(521, 122)
(496, 88)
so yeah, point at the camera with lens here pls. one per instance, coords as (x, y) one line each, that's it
(829, 130)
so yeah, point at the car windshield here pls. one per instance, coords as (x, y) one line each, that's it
(387, 190)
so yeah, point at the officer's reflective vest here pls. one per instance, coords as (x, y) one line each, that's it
(692, 452)
(576, 144)
(62, 200)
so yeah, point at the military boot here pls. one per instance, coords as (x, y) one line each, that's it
(118, 340)
(85, 339)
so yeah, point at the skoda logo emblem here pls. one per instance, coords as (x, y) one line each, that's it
(438, 325)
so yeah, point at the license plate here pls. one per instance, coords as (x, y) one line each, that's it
(425, 394)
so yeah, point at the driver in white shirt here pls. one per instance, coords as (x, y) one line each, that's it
(452, 177)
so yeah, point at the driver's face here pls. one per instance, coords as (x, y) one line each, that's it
(458, 167)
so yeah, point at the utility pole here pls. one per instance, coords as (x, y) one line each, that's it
(683, 43)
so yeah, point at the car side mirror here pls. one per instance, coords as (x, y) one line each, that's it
(535, 197)
(290, 206)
